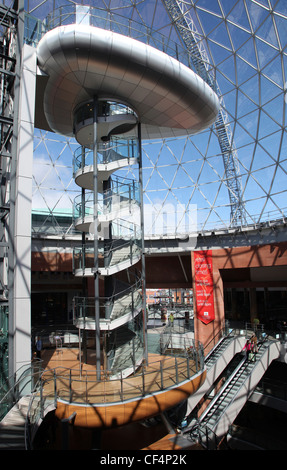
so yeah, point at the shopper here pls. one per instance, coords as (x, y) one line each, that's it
(247, 347)
(254, 348)
(163, 316)
(39, 347)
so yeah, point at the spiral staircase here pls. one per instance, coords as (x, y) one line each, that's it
(117, 229)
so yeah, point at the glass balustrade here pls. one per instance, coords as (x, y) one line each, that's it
(112, 307)
(118, 251)
(112, 21)
(108, 152)
(105, 109)
(122, 195)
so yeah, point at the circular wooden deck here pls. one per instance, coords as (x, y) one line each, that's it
(161, 384)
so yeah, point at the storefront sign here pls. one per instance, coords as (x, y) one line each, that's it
(203, 279)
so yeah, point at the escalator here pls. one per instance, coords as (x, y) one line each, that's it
(213, 424)
(216, 362)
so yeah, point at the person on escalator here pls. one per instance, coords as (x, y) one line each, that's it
(254, 347)
(248, 348)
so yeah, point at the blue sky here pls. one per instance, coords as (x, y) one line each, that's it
(247, 52)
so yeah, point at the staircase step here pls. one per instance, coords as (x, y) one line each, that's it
(12, 426)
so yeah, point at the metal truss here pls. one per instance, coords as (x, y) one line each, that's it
(8, 25)
(199, 57)
(8, 53)
(239, 48)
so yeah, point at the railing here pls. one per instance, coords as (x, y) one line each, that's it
(111, 21)
(121, 229)
(223, 332)
(83, 256)
(272, 388)
(84, 307)
(123, 360)
(101, 18)
(122, 195)
(17, 384)
(76, 386)
(82, 387)
(108, 152)
(105, 109)
(159, 230)
(208, 439)
(236, 380)
(175, 337)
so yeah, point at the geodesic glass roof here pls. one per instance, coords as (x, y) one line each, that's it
(231, 174)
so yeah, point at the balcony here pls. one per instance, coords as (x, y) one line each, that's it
(162, 383)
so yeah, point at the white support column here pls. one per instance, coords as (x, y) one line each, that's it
(23, 209)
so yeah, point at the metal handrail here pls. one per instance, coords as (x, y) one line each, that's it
(241, 364)
(222, 390)
(240, 367)
(108, 152)
(113, 21)
(127, 250)
(63, 382)
(110, 109)
(82, 305)
(211, 441)
(17, 383)
(35, 29)
(125, 194)
(75, 386)
(214, 342)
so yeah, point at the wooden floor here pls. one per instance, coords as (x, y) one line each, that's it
(84, 387)
(66, 357)
(154, 438)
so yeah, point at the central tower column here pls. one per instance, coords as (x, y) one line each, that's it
(142, 234)
(96, 244)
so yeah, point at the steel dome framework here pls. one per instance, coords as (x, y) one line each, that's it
(232, 174)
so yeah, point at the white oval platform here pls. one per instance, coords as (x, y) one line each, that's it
(78, 62)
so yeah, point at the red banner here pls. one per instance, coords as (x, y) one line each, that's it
(203, 279)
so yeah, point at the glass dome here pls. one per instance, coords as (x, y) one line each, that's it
(230, 175)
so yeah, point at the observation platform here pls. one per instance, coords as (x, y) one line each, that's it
(78, 62)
